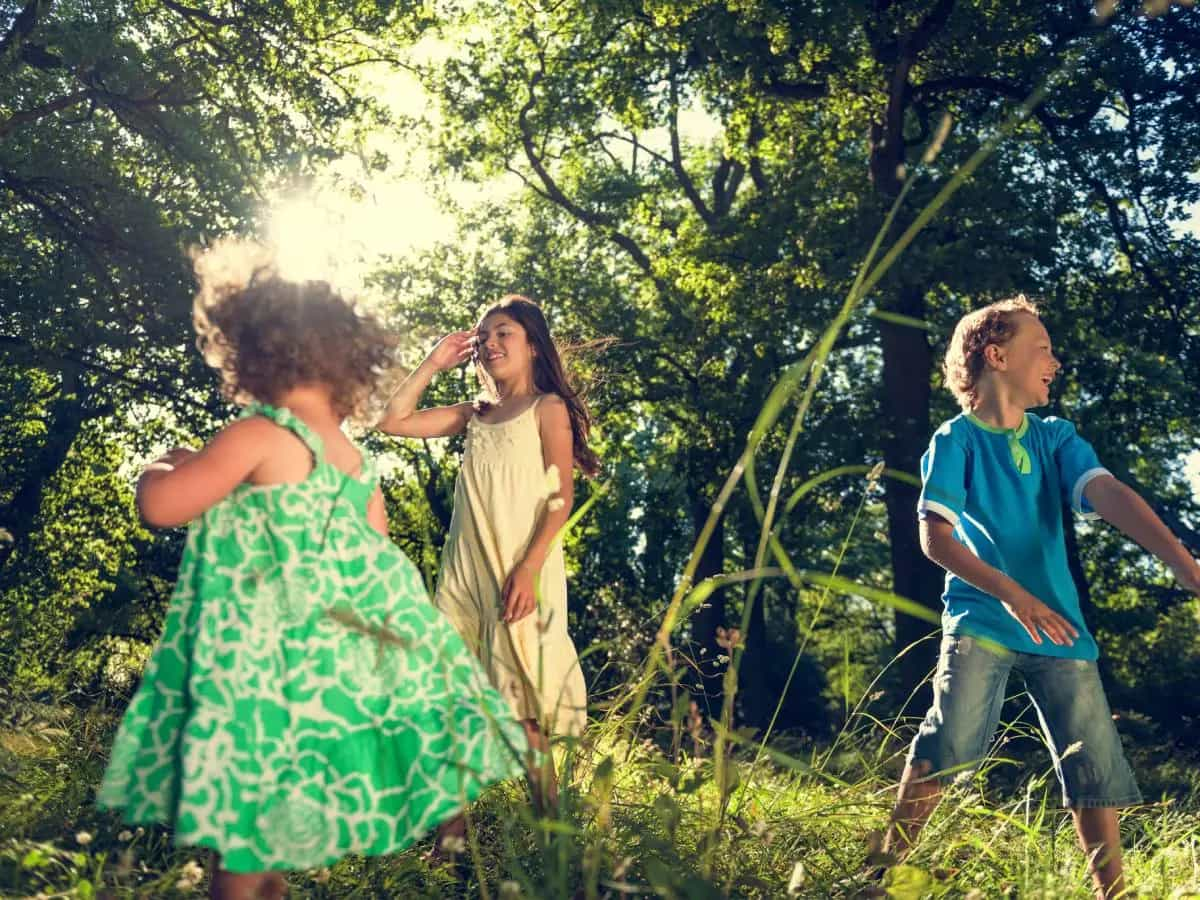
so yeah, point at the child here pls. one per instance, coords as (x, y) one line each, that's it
(305, 700)
(513, 495)
(994, 481)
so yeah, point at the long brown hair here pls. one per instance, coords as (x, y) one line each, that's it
(549, 374)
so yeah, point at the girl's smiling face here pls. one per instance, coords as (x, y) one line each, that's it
(504, 347)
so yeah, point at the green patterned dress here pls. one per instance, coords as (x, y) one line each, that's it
(305, 700)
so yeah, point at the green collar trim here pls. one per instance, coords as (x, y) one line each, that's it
(1020, 455)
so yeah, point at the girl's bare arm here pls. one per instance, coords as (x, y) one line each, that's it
(403, 419)
(184, 484)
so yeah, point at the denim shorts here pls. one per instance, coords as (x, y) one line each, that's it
(968, 692)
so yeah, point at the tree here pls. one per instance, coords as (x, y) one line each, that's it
(724, 256)
(129, 131)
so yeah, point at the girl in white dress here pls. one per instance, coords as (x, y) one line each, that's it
(502, 582)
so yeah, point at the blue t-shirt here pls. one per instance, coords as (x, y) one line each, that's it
(1003, 491)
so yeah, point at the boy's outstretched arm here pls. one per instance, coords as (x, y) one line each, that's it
(1123, 508)
(939, 544)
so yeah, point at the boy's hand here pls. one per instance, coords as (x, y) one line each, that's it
(1033, 615)
(452, 350)
(1188, 575)
(519, 596)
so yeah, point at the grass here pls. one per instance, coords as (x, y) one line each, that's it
(632, 822)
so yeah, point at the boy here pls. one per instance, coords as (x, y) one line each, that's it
(994, 481)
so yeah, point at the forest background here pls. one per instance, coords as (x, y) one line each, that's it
(702, 181)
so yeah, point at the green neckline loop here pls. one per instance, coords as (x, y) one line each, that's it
(1018, 432)
(1020, 455)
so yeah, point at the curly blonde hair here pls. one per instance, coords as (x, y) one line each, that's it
(266, 335)
(965, 362)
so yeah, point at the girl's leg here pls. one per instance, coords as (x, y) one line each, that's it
(450, 836)
(1100, 838)
(247, 885)
(542, 780)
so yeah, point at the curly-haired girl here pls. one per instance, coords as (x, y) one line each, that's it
(306, 700)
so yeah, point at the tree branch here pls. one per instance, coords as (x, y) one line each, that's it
(685, 181)
(26, 116)
(555, 193)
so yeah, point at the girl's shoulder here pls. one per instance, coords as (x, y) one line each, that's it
(552, 405)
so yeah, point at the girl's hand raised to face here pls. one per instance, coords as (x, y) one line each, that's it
(453, 350)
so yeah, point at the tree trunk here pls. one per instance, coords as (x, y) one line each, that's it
(757, 691)
(907, 364)
(704, 649)
(66, 417)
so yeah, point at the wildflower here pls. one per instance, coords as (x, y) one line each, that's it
(139, 831)
(83, 838)
(453, 843)
(729, 637)
(1074, 748)
(796, 881)
(125, 836)
(876, 472)
(190, 876)
(510, 889)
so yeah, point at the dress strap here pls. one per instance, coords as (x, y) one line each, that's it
(368, 473)
(285, 418)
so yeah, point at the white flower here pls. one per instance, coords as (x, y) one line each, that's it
(453, 843)
(125, 835)
(190, 876)
(83, 838)
(797, 880)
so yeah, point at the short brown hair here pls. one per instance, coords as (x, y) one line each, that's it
(993, 324)
(266, 335)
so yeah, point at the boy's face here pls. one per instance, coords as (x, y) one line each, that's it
(1026, 364)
